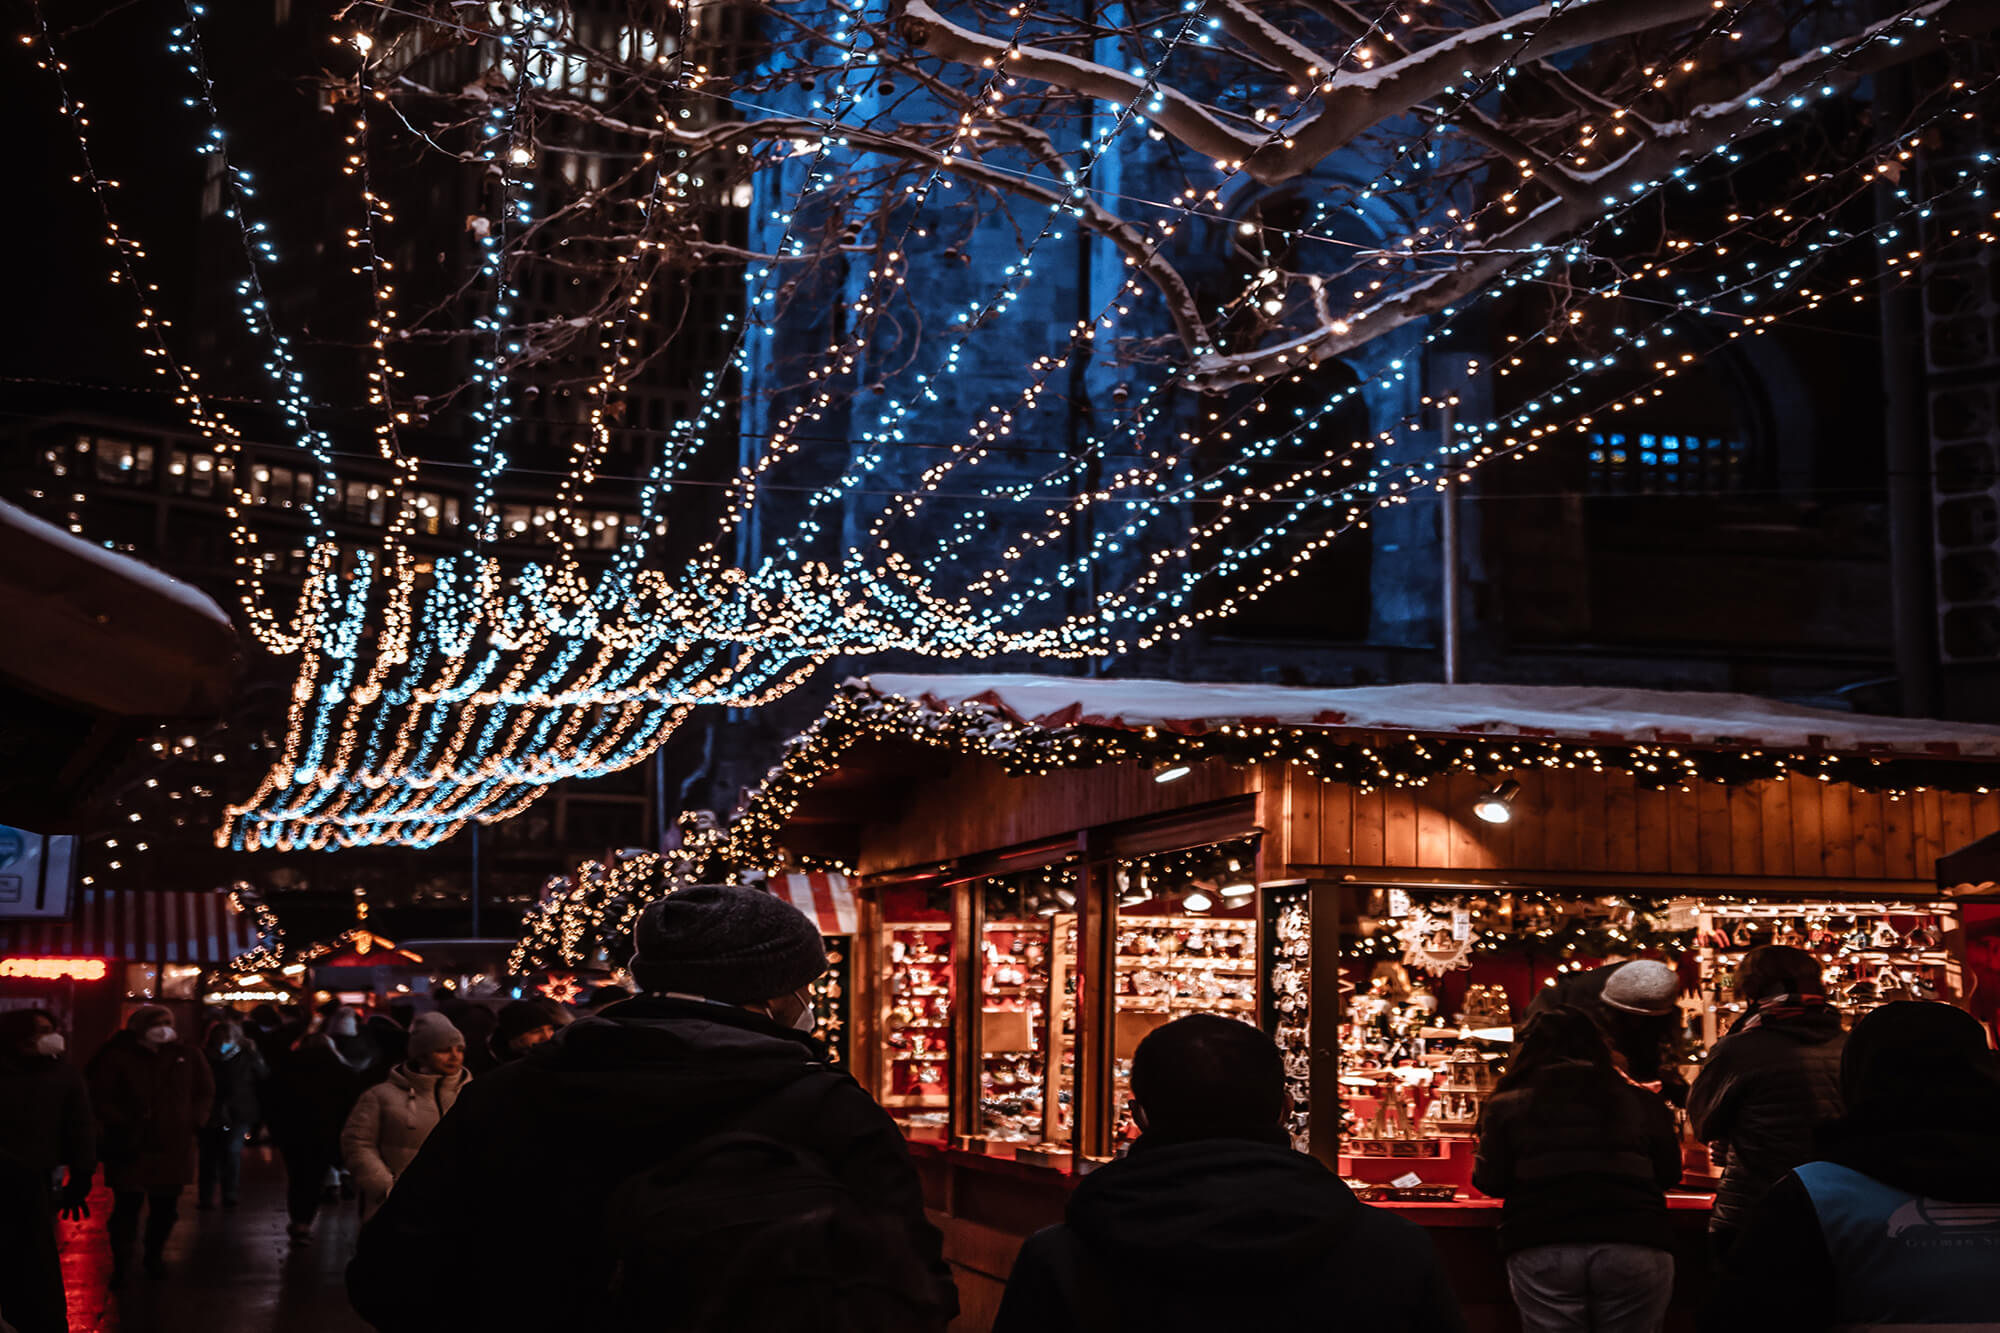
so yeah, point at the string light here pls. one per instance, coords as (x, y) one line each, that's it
(486, 682)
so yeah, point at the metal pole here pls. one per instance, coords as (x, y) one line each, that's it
(660, 799)
(1913, 605)
(1448, 539)
(475, 879)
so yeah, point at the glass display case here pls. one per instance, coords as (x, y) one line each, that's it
(917, 1024)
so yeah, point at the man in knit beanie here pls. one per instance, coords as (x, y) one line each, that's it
(719, 1042)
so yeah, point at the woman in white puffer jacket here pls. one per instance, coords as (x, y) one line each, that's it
(393, 1118)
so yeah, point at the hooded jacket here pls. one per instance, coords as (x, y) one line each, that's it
(1581, 1157)
(149, 1102)
(238, 1077)
(1763, 1094)
(389, 1123)
(1224, 1233)
(554, 1136)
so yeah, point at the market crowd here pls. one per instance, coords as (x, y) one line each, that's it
(686, 1159)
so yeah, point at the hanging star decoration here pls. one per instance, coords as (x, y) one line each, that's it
(562, 987)
(1431, 941)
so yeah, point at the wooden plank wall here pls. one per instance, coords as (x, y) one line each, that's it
(1576, 822)
(1565, 821)
(979, 808)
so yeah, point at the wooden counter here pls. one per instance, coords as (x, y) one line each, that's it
(988, 1202)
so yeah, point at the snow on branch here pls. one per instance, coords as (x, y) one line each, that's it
(1835, 66)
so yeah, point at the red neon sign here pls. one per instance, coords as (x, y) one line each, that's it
(55, 969)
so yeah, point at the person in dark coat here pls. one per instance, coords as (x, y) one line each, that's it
(519, 1027)
(358, 1048)
(1637, 1003)
(46, 1129)
(1769, 1084)
(718, 1043)
(1213, 1221)
(151, 1092)
(391, 1035)
(1896, 1223)
(239, 1073)
(1582, 1159)
(312, 1091)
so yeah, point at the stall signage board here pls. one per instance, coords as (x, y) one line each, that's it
(35, 874)
(1399, 903)
(55, 969)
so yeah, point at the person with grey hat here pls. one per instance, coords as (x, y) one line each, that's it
(718, 1043)
(1637, 1003)
(1769, 1084)
(392, 1119)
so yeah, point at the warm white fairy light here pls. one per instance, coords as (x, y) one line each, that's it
(491, 682)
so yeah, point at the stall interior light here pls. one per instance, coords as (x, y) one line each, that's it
(1067, 897)
(1497, 806)
(1236, 882)
(1197, 900)
(1171, 772)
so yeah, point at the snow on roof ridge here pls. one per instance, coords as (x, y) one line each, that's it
(127, 567)
(1576, 712)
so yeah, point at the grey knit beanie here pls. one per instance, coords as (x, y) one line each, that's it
(431, 1033)
(1644, 986)
(726, 942)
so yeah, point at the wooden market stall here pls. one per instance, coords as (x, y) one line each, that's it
(126, 947)
(1048, 868)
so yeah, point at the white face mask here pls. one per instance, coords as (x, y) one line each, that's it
(161, 1035)
(807, 1020)
(50, 1043)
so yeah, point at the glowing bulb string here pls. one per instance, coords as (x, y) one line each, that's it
(126, 252)
(1230, 516)
(1345, 394)
(967, 530)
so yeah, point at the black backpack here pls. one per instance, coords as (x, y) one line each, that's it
(742, 1230)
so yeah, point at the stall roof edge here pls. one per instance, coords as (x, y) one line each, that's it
(1540, 712)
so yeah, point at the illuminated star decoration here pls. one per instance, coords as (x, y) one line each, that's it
(562, 987)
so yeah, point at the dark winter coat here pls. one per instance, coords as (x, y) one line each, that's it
(310, 1095)
(45, 1115)
(1780, 1274)
(149, 1102)
(238, 1078)
(517, 1178)
(1763, 1094)
(1224, 1234)
(1580, 1156)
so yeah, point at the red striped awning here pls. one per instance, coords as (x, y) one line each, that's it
(823, 895)
(139, 927)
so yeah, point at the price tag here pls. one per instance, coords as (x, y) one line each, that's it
(1408, 1180)
(1461, 924)
(1399, 904)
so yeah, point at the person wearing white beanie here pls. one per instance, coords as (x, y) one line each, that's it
(393, 1118)
(1638, 1003)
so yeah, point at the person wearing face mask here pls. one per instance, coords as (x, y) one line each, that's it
(718, 1044)
(151, 1092)
(238, 1070)
(311, 1093)
(393, 1118)
(49, 1141)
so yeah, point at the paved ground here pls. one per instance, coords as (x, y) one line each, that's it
(232, 1271)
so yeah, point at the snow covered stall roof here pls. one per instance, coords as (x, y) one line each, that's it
(1555, 712)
